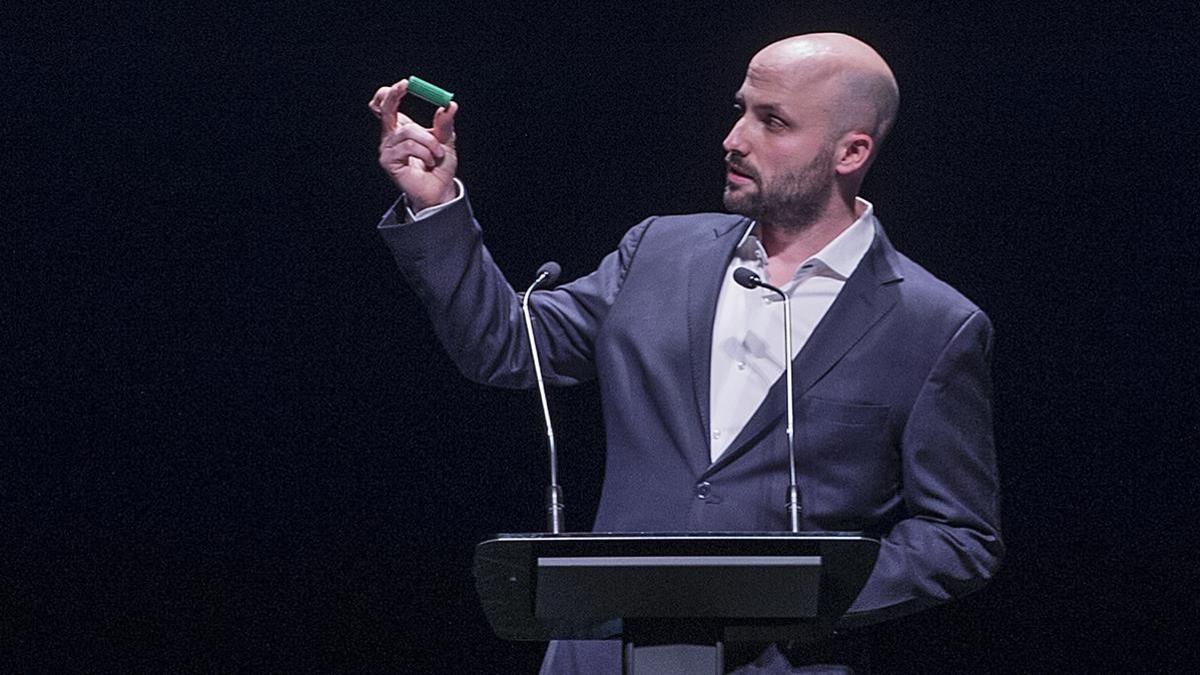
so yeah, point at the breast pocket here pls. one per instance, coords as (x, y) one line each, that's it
(849, 467)
(858, 414)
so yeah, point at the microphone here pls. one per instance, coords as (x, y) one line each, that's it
(547, 274)
(747, 278)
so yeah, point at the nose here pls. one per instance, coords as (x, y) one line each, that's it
(735, 140)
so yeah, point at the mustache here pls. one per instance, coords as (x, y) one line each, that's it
(736, 163)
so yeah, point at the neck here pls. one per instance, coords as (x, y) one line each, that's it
(788, 245)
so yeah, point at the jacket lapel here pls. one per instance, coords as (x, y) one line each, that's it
(868, 295)
(706, 272)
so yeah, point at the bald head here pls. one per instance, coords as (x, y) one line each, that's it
(853, 82)
(814, 112)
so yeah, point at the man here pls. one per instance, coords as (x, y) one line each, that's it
(892, 384)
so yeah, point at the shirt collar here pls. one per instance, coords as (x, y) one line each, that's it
(839, 256)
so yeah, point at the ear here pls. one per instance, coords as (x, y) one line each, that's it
(853, 153)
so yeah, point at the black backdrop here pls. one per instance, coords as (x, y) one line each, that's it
(230, 441)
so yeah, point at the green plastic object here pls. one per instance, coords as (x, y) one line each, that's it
(432, 93)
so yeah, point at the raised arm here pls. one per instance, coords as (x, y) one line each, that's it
(474, 309)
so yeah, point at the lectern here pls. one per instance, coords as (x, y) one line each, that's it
(697, 589)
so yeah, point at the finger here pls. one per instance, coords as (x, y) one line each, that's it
(389, 105)
(376, 102)
(405, 151)
(415, 132)
(443, 123)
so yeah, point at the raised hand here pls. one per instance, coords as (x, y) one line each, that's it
(420, 161)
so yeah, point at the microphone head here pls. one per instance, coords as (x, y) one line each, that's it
(550, 271)
(745, 277)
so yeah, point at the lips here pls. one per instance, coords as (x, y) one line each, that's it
(737, 175)
(738, 172)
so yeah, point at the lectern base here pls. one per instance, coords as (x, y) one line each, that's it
(672, 659)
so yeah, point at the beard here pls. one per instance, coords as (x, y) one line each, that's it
(791, 201)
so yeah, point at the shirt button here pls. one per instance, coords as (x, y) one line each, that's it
(703, 489)
(741, 365)
(766, 299)
(716, 434)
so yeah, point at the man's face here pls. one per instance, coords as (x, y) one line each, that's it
(779, 153)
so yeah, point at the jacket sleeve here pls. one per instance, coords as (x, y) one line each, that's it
(477, 314)
(949, 545)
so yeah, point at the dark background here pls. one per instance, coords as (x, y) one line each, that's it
(230, 441)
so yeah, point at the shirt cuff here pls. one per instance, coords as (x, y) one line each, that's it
(410, 217)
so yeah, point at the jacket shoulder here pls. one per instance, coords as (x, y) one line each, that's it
(703, 225)
(930, 296)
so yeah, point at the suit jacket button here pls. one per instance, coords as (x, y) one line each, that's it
(703, 489)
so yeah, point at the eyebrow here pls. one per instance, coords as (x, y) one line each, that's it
(740, 100)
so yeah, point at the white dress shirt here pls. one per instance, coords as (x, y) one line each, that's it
(747, 344)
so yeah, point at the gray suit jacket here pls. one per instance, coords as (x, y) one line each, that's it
(893, 397)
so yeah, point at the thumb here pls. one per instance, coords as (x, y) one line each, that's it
(443, 124)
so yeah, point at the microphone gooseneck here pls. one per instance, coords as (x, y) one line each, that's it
(747, 278)
(547, 275)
